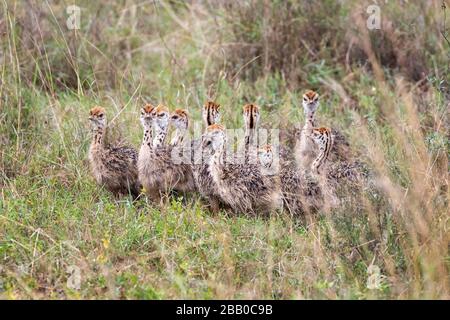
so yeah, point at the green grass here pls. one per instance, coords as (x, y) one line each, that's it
(53, 216)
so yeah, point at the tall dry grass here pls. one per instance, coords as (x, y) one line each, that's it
(291, 36)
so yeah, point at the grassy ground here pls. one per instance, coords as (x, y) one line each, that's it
(58, 226)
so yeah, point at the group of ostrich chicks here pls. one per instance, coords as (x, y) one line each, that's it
(306, 178)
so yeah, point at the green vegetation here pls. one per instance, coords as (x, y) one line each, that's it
(387, 90)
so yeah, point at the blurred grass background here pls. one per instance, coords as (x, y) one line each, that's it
(387, 90)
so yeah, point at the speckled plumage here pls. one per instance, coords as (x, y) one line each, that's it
(305, 150)
(301, 192)
(158, 172)
(114, 167)
(203, 179)
(266, 156)
(242, 186)
(211, 113)
(324, 141)
(181, 167)
(352, 173)
(251, 117)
